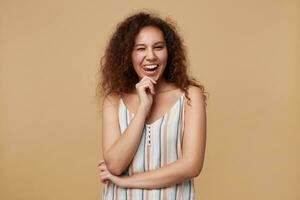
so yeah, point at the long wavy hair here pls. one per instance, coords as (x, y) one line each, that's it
(117, 75)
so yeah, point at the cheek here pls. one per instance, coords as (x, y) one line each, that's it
(136, 58)
(163, 56)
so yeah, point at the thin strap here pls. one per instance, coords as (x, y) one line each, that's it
(183, 116)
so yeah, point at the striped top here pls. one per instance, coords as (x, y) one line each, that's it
(160, 145)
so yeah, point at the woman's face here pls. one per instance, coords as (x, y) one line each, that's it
(149, 55)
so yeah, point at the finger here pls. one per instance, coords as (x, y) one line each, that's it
(102, 174)
(101, 162)
(102, 168)
(104, 177)
(102, 180)
(146, 81)
(148, 86)
(153, 81)
(152, 89)
(147, 77)
(143, 81)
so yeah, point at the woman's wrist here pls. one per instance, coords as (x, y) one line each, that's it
(122, 181)
(143, 111)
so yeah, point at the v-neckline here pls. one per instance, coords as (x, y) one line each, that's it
(157, 120)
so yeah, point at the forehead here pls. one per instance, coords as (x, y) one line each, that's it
(149, 35)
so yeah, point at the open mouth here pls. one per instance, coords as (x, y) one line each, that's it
(150, 68)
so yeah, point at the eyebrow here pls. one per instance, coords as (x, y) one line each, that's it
(154, 44)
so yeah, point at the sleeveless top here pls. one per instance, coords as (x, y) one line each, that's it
(160, 145)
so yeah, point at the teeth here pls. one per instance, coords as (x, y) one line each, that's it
(150, 66)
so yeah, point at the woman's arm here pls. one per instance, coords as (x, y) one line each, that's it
(193, 150)
(119, 149)
(166, 176)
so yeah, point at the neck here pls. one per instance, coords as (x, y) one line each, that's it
(160, 86)
(163, 86)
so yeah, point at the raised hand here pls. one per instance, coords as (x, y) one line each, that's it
(145, 90)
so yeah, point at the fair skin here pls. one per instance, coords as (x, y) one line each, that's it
(149, 101)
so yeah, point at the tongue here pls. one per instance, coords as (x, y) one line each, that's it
(149, 70)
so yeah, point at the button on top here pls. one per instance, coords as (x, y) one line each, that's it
(149, 135)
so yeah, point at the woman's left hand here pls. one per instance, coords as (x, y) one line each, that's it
(106, 176)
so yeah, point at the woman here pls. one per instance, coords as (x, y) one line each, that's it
(154, 119)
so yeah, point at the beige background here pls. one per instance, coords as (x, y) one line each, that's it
(246, 53)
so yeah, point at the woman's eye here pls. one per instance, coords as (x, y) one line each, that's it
(140, 49)
(159, 47)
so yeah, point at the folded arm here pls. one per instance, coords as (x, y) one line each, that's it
(167, 176)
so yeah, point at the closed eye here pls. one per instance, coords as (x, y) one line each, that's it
(159, 47)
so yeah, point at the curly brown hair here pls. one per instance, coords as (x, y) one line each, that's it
(117, 75)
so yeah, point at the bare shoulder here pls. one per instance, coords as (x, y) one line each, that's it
(111, 100)
(196, 95)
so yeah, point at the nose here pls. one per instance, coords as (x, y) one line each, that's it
(151, 55)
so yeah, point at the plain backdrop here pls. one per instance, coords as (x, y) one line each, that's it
(245, 53)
